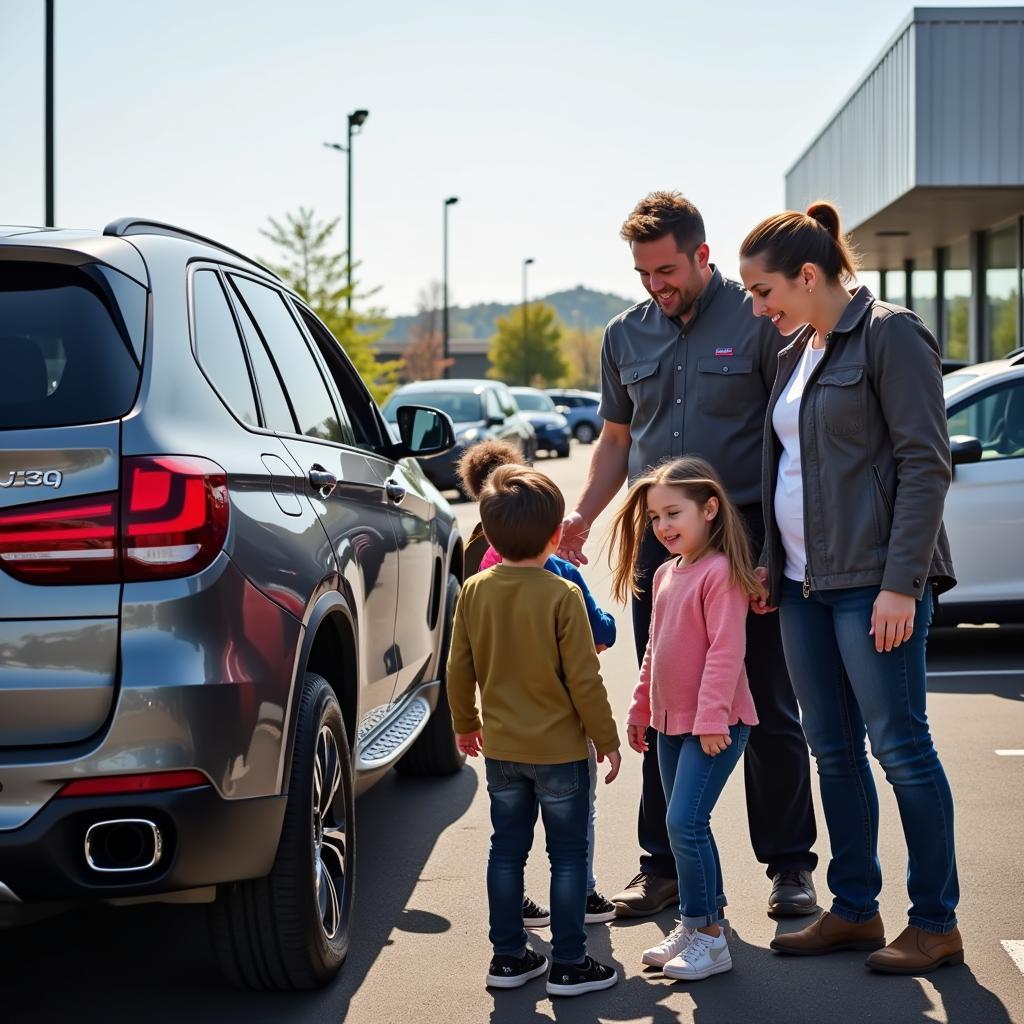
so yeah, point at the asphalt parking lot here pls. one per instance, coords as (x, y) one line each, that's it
(420, 949)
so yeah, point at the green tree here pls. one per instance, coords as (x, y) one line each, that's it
(582, 350)
(527, 346)
(310, 267)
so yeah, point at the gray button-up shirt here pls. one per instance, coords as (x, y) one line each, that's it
(699, 388)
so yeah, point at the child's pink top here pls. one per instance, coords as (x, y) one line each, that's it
(692, 679)
(491, 557)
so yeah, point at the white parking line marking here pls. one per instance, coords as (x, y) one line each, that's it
(1015, 950)
(981, 672)
(1010, 753)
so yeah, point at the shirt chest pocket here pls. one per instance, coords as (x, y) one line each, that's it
(722, 383)
(841, 391)
(641, 382)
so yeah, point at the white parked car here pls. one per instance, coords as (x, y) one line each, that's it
(985, 505)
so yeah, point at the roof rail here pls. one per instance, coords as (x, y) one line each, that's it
(141, 226)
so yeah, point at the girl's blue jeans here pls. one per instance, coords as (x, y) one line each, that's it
(562, 793)
(693, 782)
(847, 691)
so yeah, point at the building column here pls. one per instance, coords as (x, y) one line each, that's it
(908, 282)
(977, 344)
(939, 261)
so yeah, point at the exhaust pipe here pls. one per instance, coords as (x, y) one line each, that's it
(123, 844)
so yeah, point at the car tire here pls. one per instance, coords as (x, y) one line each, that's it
(291, 930)
(562, 453)
(585, 432)
(435, 752)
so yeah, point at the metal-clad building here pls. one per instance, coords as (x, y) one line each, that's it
(925, 158)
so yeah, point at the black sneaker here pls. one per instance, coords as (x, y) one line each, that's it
(513, 971)
(599, 909)
(575, 979)
(534, 915)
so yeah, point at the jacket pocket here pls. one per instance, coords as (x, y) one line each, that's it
(842, 399)
(722, 384)
(882, 490)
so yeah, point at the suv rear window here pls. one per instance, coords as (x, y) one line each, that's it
(65, 349)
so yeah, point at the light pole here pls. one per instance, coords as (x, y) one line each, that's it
(450, 201)
(355, 122)
(526, 372)
(49, 115)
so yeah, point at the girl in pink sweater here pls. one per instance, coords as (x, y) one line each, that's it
(693, 687)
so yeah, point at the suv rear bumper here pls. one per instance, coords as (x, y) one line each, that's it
(206, 840)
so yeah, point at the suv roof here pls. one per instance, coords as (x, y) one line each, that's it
(456, 384)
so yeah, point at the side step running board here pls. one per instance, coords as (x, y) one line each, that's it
(388, 741)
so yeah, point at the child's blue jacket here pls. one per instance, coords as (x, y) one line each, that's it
(602, 625)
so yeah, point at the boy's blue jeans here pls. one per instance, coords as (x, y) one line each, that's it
(562, 793)
(846, 689)
(693, 783)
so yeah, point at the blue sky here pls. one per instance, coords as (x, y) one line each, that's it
(548, 120)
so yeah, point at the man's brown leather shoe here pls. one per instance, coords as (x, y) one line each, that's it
(915, 951)
(646, 895)
(829, 934)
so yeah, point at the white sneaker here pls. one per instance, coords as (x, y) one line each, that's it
(671, 946)
(705, 955)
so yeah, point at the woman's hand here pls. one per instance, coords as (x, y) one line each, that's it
(759, 605)
(892, 619)
(635, 736)
(714, 745)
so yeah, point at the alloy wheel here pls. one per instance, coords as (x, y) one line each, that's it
(330, 867)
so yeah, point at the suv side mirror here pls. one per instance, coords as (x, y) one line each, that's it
(495, 421)
(964, 449)
(424, 431)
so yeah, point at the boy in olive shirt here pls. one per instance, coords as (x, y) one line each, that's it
(521, 636)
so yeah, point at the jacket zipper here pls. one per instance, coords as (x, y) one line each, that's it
(815, 373)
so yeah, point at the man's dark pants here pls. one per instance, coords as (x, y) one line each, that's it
(776, 766)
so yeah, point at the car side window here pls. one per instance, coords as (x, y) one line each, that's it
(358, 405)
(996, 419)
(310, 399)
(219, 348)
(491, 405)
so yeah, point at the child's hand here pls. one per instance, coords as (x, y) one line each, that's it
(635, 735)
(470, 743)
(614, 761)
(759, 605)
(713, 745)
(601, 648)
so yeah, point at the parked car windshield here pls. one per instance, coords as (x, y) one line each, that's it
(461, 406)
(533, 401)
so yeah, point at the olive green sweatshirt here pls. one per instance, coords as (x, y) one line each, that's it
(521, 635)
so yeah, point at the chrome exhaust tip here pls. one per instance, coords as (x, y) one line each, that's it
(123, 844)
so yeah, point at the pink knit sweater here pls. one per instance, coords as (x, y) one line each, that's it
(692, 679)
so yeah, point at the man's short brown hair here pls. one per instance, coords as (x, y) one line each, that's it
(665, 213)
(520, 509)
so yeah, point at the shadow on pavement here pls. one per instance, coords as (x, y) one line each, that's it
(762, 988)
(154, 963)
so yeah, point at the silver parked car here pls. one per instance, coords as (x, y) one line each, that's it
(984, 511)
(225, 594)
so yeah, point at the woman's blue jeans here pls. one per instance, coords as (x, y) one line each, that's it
(693, 783)
(847, 690)
(562, 793)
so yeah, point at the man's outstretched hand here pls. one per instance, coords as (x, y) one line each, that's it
(575, 530)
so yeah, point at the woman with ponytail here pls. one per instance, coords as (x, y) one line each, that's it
(855, 471)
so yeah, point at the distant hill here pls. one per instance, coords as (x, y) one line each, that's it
(578, 307)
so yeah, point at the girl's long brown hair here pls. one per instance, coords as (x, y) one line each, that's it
(699, 482)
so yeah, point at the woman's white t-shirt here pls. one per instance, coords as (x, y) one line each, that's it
(789, 488)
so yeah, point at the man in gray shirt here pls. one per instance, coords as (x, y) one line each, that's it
(689, 371)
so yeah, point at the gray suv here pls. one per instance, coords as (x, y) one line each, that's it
(225, 594)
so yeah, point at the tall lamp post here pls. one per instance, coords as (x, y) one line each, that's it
(450, 201)
(526, 372)
(355, 123)
(49, 115)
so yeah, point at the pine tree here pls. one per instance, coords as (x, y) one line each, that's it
(320, 276)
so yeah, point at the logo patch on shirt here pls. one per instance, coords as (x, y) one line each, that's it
(723, 351)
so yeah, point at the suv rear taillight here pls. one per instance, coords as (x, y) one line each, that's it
(170, 519)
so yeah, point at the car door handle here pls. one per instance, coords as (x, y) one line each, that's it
(396, 492)
(322, 480)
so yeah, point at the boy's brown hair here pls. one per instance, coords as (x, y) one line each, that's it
(481, 460)
(520, 509)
